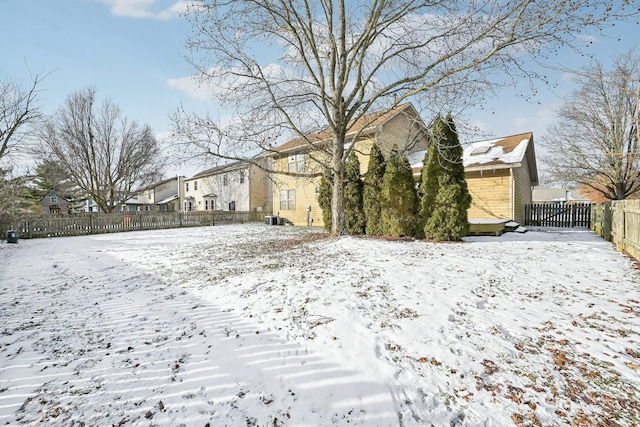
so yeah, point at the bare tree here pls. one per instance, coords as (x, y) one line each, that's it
(18, 109)
(105, 154)
(595, 139)
(293, 67)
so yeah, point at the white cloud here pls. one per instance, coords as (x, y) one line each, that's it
(191, 87)
(145, 9)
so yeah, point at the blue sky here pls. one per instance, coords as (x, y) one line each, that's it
(131, 51)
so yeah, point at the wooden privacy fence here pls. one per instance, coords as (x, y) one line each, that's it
(619, 222)
(99, 223)
(565, 214)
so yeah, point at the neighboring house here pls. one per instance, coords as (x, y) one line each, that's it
(237, 186)
(54, 204)
(500, 175)
(558, 195)
(162, 196)
(295, 199)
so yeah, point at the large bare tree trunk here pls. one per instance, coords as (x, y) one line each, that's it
(337, 201)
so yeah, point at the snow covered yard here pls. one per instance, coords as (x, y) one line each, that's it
(253, 325)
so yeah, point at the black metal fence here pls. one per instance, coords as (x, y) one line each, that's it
(99, 223)
(562, 214)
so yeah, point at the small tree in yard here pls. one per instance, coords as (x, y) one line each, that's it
(353, 189)
(399, 194)
(372, 197)
(324, 199)
(448, 220)
(443, 171)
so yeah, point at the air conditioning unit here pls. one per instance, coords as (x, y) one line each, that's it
(272, 220)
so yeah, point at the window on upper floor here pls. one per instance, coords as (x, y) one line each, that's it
(225, 180)
(186, 186)
(195, 185)
(241, 177)
(296, 163)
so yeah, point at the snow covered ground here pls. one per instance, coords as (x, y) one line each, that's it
(254, 325)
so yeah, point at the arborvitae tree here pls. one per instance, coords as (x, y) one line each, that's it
(399, 194)
(431, 170)
(448, 220)
(353, 192)
(445, 173)
(372, 197)
(324, 198)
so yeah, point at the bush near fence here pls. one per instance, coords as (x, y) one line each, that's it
(619, 222)
(116, 222)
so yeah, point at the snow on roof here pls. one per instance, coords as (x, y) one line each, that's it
(167, 200)
(503, 151)
(500, 152)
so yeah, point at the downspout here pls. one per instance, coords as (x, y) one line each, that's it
(512, 198)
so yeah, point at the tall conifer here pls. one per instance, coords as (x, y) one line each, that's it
(372, 197)
(399, 194)
(353, 189)
(431, 170)
(443, 207)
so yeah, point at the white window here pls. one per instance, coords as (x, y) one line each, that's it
(225, 180)
(287, 200)
(54, 199)
(241, 177)
(296, 163)
(187, 186)
(195, 185)
(206, 205)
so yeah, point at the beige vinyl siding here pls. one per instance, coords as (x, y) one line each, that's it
(260, 191)
(363, 150)
(522, 191)
(305, 194)
(403, 130)
(490, 191)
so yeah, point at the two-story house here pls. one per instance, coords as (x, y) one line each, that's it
(237, 186)
(296, 199)
(161, 196)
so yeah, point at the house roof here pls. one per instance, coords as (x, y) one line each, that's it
(364, 125)
(219, 169)
(167, 199)
(154, 185)
(500, 153)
